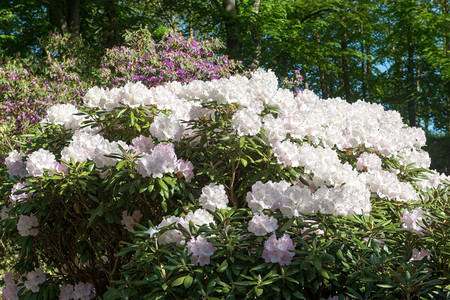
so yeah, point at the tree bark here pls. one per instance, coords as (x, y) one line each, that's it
(446, 40)
(57, 16)
(323, 85)
(232, 28)
(112, 20)
(410, 92)
(65, 15)
(73, 16)
(363, 66)
(345, 72)
(256, 36)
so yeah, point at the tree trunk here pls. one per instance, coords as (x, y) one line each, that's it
(232, 28)
(111, 32)
(323, 85)
(256, 36)
(446, 40)
(65, 15)
(57, 17)
(363, 66)
(345, 72)
(410, 92)
(73, 16)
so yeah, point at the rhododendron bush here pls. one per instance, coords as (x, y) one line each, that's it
(229, 188)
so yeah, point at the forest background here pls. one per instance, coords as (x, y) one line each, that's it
(394, 52)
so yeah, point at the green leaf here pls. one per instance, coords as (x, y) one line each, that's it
(223, 266)
(188, 281)
(178, 281)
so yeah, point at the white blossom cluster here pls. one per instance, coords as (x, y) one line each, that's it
(198, 218)
(213, 197)
(65, 115)
(292, 200)
(15, 164)
(85, 146)
(326, 123)
(278, 250)
(42, 160)
(161, 160)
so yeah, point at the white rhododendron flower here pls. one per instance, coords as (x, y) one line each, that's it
(420, 254)
(166, 128)
(40, 160)
(199, 217)
(133, 94)
(142, 144)
(18, 197)
(368, 162)
(185, 168)
(261, 224)
(96, 97)
(129, 220)
(83, 291)
(246, 122)
(64, 114)
(162, 160)
(266, 195)
(213, 197)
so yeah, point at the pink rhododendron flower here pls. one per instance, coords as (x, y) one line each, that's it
(10, 290)
(34, 279)
(201, 250)
(278, 250)
(128, 221)
(142, 144)
(185, 168)
(83, 291)
(413, 220)
(25, 225)
(420, 254)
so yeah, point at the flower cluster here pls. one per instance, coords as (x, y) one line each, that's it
(128, 221)
(11, 289)
(413, 221)
(26, 225)
(201, 250)
(172, 59)
(213, 197)
(81, 291)
(262, 224)
(34, 279)
(278, 250)
(198, 218)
